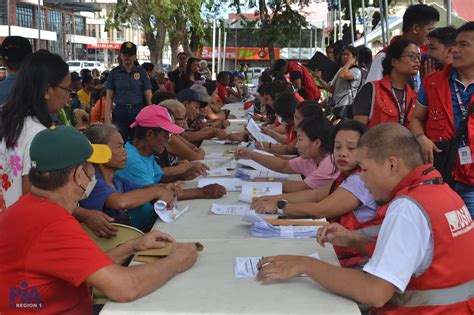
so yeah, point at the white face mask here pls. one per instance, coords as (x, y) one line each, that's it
(90, 186)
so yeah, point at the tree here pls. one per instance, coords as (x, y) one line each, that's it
(180, 19)
(276, 21)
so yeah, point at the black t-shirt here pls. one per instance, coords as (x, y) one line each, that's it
(178, 78)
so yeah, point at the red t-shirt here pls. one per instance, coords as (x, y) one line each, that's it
(46, 258)
(221, 90)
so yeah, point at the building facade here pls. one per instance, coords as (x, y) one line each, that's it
(107, 48)
(58, 26)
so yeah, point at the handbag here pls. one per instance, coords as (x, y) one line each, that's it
(445, 160)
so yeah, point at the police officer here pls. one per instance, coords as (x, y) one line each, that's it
(129, 88)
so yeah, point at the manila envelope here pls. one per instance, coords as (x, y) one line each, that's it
(151, 255)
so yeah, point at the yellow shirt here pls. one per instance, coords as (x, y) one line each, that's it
(84, 98)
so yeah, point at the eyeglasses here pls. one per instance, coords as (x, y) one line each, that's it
(65, 89)
(412, 56)
(179, 118)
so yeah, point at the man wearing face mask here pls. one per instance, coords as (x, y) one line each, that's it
(51, 258)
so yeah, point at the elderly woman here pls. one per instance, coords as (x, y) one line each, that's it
(179, 148)
(114, 195)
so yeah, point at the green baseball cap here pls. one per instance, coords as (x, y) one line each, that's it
(60, 147)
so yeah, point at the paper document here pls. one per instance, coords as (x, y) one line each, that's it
(218, 162)
(257, 133)
(251, 189)
(252, 174)
(246, 267)
(249, 145)
(218, 172)
(170, 215)
(231, 209)
(254, 165)
(261, 228)
(230, 184)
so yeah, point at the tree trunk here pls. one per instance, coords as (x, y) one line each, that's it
(271, 53)
(155, 44)
(194, 42)
(174, 43)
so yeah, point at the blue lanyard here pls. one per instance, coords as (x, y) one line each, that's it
(461, 105)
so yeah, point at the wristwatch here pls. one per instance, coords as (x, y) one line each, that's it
(281, 204)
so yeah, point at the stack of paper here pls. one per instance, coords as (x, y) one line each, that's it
(246, 267)
(257, 133)
(252, 174)
(251, 190)
(261, 228)
(231, 209)
(230, 184)
(166, 215)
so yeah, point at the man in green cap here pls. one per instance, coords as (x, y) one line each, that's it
(50, 261)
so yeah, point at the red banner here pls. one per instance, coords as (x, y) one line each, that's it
(241, 53)
(104, 46)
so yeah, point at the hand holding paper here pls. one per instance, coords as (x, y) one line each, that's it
(168, 216)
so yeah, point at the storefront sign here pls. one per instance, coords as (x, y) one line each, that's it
(241, 53)
(104, 46)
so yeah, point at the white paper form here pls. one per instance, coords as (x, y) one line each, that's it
(166, 215)
(251, 189)
(252, 174)
(231, 209)
(218, 172)
(257, 133)
(246, 267)
(218, 162)
(230, 184)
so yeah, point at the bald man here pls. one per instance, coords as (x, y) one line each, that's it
(420, 263)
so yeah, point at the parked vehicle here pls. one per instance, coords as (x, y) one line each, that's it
(254, 72)
(78, 65)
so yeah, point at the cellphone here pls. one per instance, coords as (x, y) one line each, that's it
(437, 63)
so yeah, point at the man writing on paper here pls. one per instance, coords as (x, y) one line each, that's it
(50, 261)
(420, 263)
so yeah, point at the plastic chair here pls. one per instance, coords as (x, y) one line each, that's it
(124, 234)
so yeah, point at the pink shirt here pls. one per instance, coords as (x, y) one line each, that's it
(315, 175)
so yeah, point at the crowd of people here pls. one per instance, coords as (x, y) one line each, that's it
(386, 158)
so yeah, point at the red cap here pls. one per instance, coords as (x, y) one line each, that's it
(158, 117)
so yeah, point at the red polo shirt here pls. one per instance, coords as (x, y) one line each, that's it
(46, 258)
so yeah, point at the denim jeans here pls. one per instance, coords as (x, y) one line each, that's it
(123, 117)
(467, 194)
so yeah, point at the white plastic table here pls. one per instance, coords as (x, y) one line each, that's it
(210, 285)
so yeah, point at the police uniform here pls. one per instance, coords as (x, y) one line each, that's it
(129, 88)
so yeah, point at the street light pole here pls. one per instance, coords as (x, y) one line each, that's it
(364, 23)
(448, 12)
(9, 18)
(39, 24)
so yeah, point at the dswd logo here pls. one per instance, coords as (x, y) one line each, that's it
(24, 297)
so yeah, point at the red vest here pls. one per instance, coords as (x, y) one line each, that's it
(307, 82)
(385, 106)
(350, 257)
(445, 286)
(440, 122)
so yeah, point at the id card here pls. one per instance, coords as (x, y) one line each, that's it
(465, 156)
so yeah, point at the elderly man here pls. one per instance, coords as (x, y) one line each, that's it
(51, 260)
(421, 263)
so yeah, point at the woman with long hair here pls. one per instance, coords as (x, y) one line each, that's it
(391, 99)
(40, 92)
